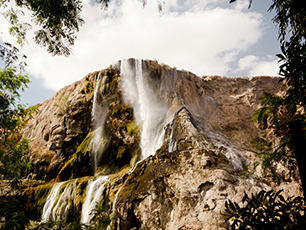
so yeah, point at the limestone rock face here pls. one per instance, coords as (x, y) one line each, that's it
(200, 129)
(59, 127)
(182, 189)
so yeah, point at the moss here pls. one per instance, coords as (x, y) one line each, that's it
(40, 195)
(133, 128)
(119, 154)
(121, 150)
(218, 127)
(121, 111)
(80, 190)
(115, 182)
(110, 82)
(120, 144)
(84, 146)
(134, 160)
(88, 87)
(77, 164)
(261, 144)
(123, 137)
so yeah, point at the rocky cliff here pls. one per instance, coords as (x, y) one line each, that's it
(159, 148)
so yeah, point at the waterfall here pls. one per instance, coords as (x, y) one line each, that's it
(172, 143)
(56, 207)
(114, 208)
(95, 112)
(149, 94)
(98, 115)
(58, 203)
(50, 202)
(149, 110)
(94, 193)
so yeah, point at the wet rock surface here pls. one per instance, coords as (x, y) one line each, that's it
(203, 144)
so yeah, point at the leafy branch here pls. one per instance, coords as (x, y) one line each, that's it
(266, 210)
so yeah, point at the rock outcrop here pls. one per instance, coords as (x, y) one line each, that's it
(59, 127)
(190, 135)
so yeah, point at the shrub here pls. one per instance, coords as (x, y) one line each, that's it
(60, 225)
(11, 216)
(100, 220)
(266, 210)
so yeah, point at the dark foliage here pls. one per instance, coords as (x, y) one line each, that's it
(10, 55)
(100, 220)
(12, 218)
(59, 21)
(13, 117)
(60, 225)
(266, 210)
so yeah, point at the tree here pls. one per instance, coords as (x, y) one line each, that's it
(287, 114)
(13, 164)
(266, 210)
(59, 21)
(13, 118)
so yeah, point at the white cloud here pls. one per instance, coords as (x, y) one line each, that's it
(191, 35)
(256, 66)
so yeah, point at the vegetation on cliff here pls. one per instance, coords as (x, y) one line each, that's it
(78, 164)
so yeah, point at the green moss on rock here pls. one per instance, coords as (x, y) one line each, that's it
(78, 164)
(120, 143)
(33, 200)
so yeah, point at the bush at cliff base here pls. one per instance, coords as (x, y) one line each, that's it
(11, 216)
(266, 210)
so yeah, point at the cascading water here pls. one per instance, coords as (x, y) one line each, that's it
(95, 111)
(57, 205)
(98, 119)
(94, 193)
(60, 211)
(149, 110)
(147, 94)
(114, 207)
(47, 210)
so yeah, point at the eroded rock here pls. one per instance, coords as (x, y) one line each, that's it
(205, 144)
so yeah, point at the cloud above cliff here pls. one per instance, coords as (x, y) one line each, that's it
(204, 38)
(257, 66)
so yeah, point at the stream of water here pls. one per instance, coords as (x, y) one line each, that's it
(150, 113)
(94, 194)
(149, 110)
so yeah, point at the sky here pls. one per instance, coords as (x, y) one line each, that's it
(206, 37)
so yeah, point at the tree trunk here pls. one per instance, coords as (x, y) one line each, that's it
(299, 145)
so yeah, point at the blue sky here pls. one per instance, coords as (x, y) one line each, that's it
(210, 37)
